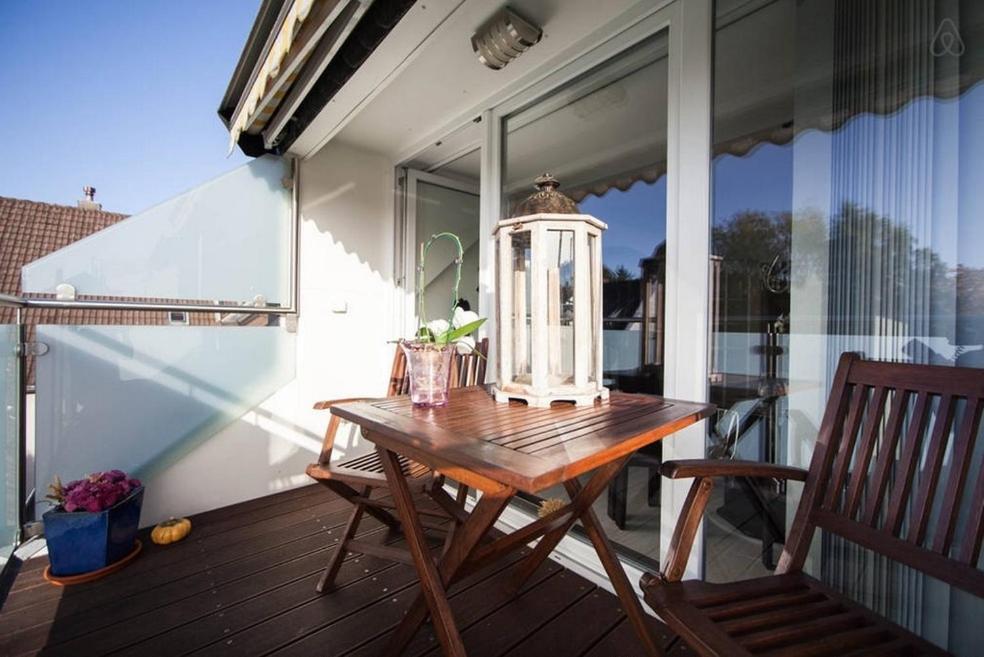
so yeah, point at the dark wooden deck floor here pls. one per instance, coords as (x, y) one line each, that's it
(243, 584)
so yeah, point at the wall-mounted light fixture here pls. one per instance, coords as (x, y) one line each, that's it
(503, 38)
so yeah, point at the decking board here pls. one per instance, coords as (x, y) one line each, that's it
(201, 556)
(74, 617)
(472, 600)
(243, 584)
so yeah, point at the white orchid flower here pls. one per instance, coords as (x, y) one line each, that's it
(463, 317)
(438, 327)
(465, 345)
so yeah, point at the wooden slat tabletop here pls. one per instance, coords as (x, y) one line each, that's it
(527, 448)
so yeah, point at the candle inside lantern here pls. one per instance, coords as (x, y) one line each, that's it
(521, 319)
(560, 306)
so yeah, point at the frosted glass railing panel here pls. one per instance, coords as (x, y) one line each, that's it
(227, 239)
(9, 439)
(138, 398)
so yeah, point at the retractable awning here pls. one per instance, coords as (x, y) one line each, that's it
(299, 44)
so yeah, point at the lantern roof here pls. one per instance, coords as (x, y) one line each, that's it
(552, 217)
(546, 198)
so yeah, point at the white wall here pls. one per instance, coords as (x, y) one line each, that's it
(347, 302)
(348, 298)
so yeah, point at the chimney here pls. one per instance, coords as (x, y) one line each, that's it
(89, 203)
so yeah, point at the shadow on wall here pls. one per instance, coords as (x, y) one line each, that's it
(351, 307)
(347, 194)
(257, 455)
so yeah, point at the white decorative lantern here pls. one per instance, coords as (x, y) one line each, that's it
(549, 303)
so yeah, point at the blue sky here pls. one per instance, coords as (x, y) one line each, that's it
(636, 222)
(120, 95)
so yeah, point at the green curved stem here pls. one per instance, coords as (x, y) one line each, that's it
(420, 275)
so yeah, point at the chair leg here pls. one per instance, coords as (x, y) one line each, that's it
(460, 498)
(655, 478)
(335, 563)
(345, 491)
(618, 492)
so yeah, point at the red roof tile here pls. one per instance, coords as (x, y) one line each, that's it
(30, 230)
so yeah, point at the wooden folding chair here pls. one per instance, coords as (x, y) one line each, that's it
(356, 478)
(895, 470)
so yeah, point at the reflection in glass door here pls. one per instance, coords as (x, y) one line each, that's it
(604, 137)
(847, 193)
(437, 204)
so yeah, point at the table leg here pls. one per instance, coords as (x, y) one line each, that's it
(466, 538)
(579, 504)
(430, 579)
(616, 574)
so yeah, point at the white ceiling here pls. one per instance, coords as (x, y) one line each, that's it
(444, 83)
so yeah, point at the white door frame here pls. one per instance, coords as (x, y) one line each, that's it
(688, 220)
(690, 24)
(407, 235)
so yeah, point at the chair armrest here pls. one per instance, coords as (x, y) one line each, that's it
(730, 468)
(704, 471)
(324, 405)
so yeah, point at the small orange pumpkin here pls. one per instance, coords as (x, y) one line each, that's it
(170, 531)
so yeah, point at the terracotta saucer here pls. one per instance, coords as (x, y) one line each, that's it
(68, 580)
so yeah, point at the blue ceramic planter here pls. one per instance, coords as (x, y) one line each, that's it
(82, 541)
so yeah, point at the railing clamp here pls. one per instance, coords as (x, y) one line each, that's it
(32, 349)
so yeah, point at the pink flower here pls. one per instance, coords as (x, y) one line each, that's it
(97, 492)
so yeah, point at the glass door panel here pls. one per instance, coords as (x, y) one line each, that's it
(604, 136)
(847, 178)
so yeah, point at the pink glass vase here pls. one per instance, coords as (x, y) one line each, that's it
(429, 367)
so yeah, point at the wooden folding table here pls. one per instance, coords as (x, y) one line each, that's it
(501, 450)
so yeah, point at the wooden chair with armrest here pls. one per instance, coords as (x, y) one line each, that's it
(356, 478)
(875, 435)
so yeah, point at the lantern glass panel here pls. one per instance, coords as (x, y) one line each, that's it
(593, 259)
(522, 324)
(559, 263)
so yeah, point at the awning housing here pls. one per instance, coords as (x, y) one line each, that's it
(288, 49)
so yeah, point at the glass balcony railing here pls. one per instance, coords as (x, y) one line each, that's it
(229, 238)
(158, 332)
(10, 404)
(137, 398)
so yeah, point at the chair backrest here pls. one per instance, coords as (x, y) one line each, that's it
(466, 370)
(895, 469)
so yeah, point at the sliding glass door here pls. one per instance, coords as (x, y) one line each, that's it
(847, 216)
(624, 124)
(603, 136)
